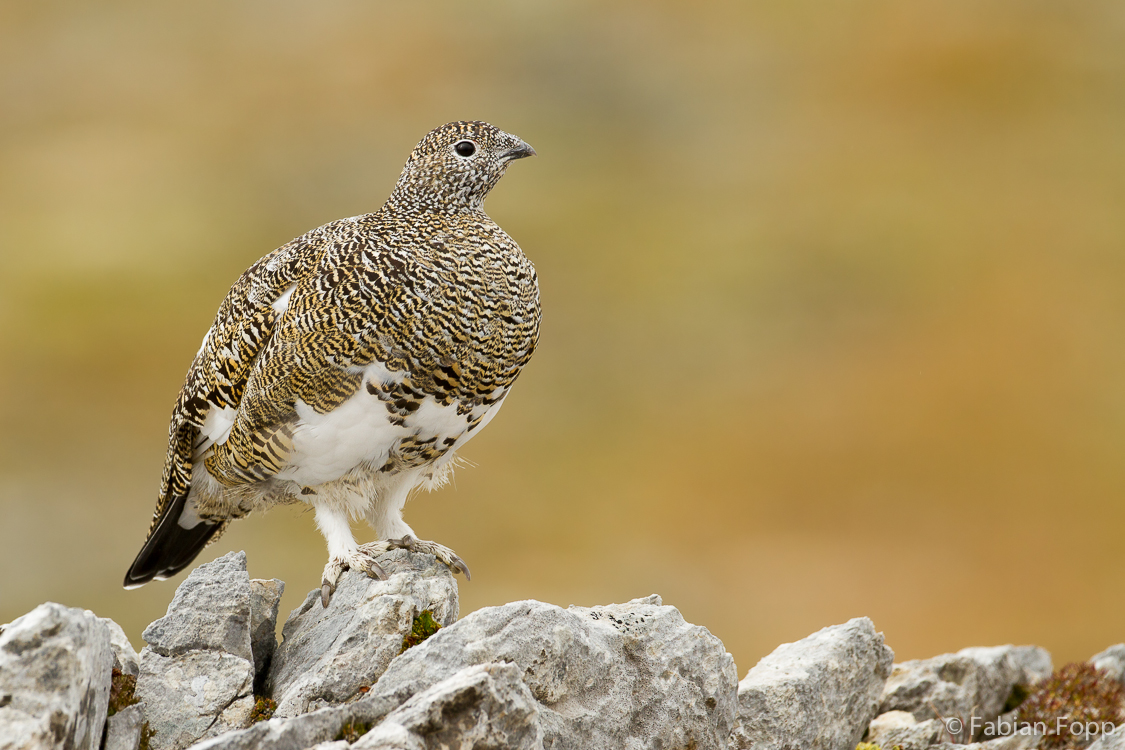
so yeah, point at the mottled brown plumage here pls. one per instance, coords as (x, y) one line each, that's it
(403, 328)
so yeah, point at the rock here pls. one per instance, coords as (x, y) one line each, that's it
(1112, 661)
(197, 671)
(625, 675)
(328, 654)
(264, 598)
(123, 729)
(974, 682)
(55, 665)
(820, 692)
(1111, 741)
(901, 728)
(1012, 742)
(614, 676)
(482, 706)
(210, 612)
(125, 658)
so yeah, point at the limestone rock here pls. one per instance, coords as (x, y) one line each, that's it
(901, 728)
(1112, 660)
(123, 729)
(1113, 741)
(327, 654)
(264, 598)
(55, 665)
(972, 682)
(818, 693)
(482, 706)
(624, 675)
(197, 672)
(125, 658)
(210, 612)
(1011, 742)
(603, 676)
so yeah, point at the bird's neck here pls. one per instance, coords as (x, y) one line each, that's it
(404, 201)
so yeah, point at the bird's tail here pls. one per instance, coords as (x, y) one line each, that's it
(170, 547)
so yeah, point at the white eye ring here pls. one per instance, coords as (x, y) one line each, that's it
(465, 148)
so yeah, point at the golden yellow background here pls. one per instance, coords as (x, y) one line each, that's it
(834, 295)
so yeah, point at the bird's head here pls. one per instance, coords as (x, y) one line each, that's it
(455, 166)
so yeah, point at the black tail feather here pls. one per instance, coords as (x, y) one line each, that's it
(170, 547)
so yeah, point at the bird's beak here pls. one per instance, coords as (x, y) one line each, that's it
(519, 152)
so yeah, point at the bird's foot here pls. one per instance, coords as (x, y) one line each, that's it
(440, 551)
(362, 559)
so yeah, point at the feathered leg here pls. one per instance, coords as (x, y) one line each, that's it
(385, 517)
(343, 552)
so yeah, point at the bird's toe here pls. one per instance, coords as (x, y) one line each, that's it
(407, 542)
(459, 565)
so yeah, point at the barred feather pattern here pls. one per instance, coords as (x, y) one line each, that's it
(428, 286)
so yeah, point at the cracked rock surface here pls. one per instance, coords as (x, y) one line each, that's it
(631, 675)
(522, 676)
(972, 682)
(819, 693)
(328, 654)
(483, 706)
(55, 665)
(123, 729)
(265, 596)
(601, 675)
(197, 671)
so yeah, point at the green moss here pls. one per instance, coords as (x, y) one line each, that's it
(873, 746)
(146, 737)
(424, 626)
(122, 689)
(1077, 692)
(353, 730)
(263, 709)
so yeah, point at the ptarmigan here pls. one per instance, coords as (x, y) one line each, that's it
(348, 366)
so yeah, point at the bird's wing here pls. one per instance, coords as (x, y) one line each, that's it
(214, 390)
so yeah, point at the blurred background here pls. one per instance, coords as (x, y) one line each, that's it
(834, 321)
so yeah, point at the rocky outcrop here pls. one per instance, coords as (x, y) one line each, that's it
(483, 706)
(55, 667)
(974, 682)
(387, 666)
(600, 677)
(819, 693)
(328, 654)
(197, 672)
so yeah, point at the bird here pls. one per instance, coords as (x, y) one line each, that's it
(347, 367)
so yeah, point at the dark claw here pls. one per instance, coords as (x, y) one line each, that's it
(461, 566)
(377, 571)
(326, 591)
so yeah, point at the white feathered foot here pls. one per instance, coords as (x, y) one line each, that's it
(363, 559)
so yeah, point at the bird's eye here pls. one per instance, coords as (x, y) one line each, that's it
(465, 148)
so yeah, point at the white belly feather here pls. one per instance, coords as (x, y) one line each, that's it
(359, 432)
(339, 453)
